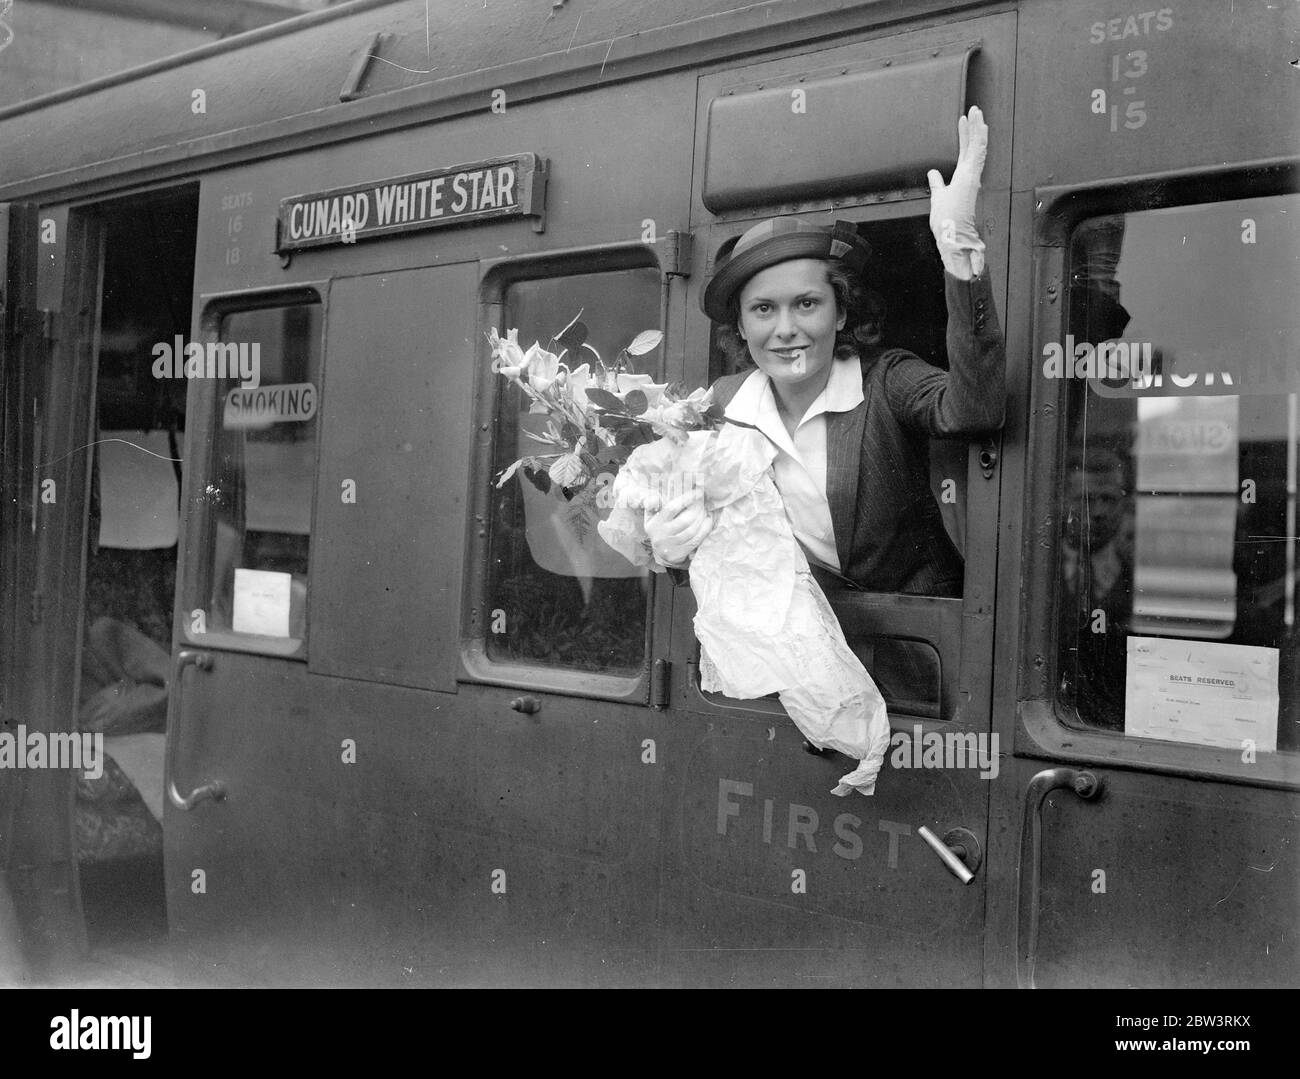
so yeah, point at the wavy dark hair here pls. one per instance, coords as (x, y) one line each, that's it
(864, 322)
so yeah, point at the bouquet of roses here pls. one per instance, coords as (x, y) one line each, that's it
(597, 413)
(763, 624)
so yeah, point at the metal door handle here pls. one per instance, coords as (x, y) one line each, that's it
(959, 850)
(214, 790)
(1087, 786)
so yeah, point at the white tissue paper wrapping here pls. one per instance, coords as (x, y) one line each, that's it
(763, 624)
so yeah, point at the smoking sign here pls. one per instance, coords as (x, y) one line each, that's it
(265, 405)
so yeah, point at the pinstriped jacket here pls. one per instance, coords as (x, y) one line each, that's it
(889, 534)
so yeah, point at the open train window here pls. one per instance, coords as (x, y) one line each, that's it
(261, 479)
(905, 285)
(1177, 569)
(560, 596)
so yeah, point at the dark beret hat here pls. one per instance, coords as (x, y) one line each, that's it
(780, 239)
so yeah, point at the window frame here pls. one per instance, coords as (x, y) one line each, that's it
(496, 276)
(941, 622)
(204, 405)
(1045, 728)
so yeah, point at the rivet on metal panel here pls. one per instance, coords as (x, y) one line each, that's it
(527, 705)
(887, 63)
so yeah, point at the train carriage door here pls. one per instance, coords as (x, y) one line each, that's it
(321, 606)
(1144, 832)
(561, 661)
(774, 880)
(46, 400)
(239, 685)
(93, 432)
(1159, 723)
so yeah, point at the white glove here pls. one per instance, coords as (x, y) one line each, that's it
(679, 527)
(952, 207)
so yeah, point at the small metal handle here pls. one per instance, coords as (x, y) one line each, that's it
(1087, 786)
(960, 839)
(527, 705)
(214, 790)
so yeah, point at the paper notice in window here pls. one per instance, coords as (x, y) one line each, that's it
(262, 602)
(1197, 691)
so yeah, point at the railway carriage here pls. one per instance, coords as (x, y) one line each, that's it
(404, 725)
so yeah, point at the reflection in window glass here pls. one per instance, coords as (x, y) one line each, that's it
(564, 598)
(263, 468)
(1181, 462)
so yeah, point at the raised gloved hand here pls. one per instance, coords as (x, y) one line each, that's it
(952, 206)
(679, 527)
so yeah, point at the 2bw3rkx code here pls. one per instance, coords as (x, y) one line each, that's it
(1152, 1021)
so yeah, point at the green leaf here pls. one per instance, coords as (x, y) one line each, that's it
(538, 478)
(614, 455)
(635, 402)
(507, 473)
(613, 422)
(604, 399)
(639, 435)
(570, 432)
(644, 342)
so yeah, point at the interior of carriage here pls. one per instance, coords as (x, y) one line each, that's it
(131, 559)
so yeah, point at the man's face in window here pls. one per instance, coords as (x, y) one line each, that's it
(1097, 499)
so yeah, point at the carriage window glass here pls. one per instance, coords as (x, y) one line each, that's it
(1177, 573)
(559, 595)
(262, 474)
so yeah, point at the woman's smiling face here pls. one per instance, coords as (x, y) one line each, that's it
(786, 311)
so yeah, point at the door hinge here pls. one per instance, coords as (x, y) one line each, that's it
(676, 258)
(659, 673)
